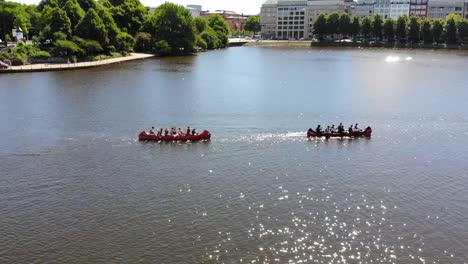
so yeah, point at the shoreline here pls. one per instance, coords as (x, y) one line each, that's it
(43, 67)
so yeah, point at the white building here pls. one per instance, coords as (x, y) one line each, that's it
(268, 21)
(195, 10)
(292, 19)
(442, 8)
(399, 8)
(382, 8)
(362, 8)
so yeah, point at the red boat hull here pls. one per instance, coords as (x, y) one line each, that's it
(365, 133)
(205, 135)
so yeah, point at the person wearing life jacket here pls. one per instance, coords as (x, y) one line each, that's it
(318, 129)
(151, 131)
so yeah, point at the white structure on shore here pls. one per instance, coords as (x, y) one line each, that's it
(292, 19)
(399, 8)
(442, 8)
(195, 10)
(362, 8)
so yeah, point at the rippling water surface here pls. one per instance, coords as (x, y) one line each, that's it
(77, 187)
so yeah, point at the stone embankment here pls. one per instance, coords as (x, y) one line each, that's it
(74, 66)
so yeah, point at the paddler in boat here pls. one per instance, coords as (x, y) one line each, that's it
(327, 130)
(340, 128)
(356, 128)
(333, 129)
(194, 132)
(160, 132)
(188, 131)
(179, 132)
(166, 132)
(350, 130)
(152, 131)
(318, 129)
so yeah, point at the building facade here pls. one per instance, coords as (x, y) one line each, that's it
(292, 19)
(465, 11)
(382, 8)
(235, 21)
(195, 10)
(399, 8)
(442, 8)
(418, 8)
(362, 8)
(268, 20)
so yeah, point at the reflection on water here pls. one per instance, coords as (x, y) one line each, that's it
(77, 185)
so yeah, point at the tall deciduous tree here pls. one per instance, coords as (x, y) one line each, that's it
(333, 23)
(437, 30)
(92, 27)
(463, 30)
(451, 29)
(426, 32)
(74, 12)
(130, 15)
(355, 27)
(172, 28)
(389, 29)
(57, 21)
(366, 27)
(344, 25)
(221, 27)
(377, 27)
(401, 31)
(414, 29)
(253, 24)
(320, 26)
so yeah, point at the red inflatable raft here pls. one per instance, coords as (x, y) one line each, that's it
(365, 133)
(205, 135)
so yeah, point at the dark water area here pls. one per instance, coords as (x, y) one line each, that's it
(77, 187)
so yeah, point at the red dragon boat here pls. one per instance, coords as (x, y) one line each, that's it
(365, 133)
(144, 136)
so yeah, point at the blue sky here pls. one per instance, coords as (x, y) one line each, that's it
(250, 7)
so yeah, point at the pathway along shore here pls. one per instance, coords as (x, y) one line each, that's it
(74, 66)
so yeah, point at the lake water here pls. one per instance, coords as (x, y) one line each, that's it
(77, 187)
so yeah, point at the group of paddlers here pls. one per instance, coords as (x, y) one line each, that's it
(340, 129)
(172, 132)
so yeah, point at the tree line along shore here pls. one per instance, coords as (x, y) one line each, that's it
(88, 30)
(453, 30)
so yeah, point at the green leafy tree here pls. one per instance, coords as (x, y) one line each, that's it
(211, 38)
(426, 32)
(389, 29)
(344, 25)
(333, 24)
(87, 4)
(253, 24)
(221, 27)
(414, 29)
(66, 48)
(463, 30)
(56, 20)
(143, 42)
(172, 27)
(125, 42)
(355, 27)
(200, 42)
(320, 26)
(112, 29)
(377, 27)
(91, 47)
(366, 27)
(92, 27)
(200, 24)
(130, 15)
(74, 12)
(451, 29)
(401, 31)
(437, 30)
